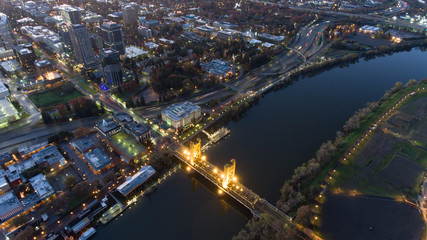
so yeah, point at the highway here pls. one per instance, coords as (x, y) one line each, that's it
(32, 133)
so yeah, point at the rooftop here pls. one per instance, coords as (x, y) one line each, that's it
(217, 67)
(42, 63)
(132, 52)
(137, 128)
(9, 205)
(145, 173)
(97, 159)
(107, 125)
(83, 143)
(178, 111)
(3, 18)
(11, 65)
(123, 117)
(41, 186)
(50, 154)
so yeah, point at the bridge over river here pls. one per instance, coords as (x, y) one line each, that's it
(227, 182)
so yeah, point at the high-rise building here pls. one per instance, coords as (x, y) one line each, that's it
(71, 14)
(130, 14)
(7, 39)
(113, 36)
(26, 55)
(145, 32)
(97, 42)
(82, 46)
(110, 60)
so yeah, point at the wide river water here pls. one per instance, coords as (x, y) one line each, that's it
(284, 130)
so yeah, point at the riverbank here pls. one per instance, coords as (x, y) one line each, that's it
(381, 173)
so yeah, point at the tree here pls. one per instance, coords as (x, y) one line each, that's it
(81, 131)
(61, 202)
(411, 82)
(46, 117)
(304, 215)
(82, 189)
(161, 160)
(69, 181)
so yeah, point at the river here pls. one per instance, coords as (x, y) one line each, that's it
(284, 130)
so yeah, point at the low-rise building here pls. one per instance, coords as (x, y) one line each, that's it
(107, 128)
(52, 77)
(218, 68)
(83, 144)
(97, 160)
(9, 206)
(271, 38)
(139, 131)
(134, 52)
(4, 185)
(369, 29)
(50, 154)
(143, 175)
(43, 66)
(42, 186)
(11, 68)
(180, 115)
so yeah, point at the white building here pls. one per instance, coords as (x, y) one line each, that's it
(41, 186)
(180, 115)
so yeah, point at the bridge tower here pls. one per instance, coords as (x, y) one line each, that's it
(195, 151)
(229, 170)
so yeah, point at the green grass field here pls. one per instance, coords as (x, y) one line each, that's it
(127, 144)
(55, 96)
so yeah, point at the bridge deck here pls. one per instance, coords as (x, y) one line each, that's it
(239, 192)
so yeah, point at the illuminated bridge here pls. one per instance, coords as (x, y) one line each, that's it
(226, 181)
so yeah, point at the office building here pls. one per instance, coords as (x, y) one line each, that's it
(71, 14)
(26, 55)
(82, 46)
(130, 14)
(113, 36)
(7, 39)
(180, 115)
(110, 61)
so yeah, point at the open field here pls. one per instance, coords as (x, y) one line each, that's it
(55, 96)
